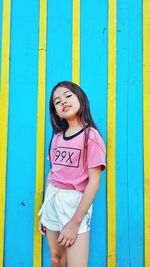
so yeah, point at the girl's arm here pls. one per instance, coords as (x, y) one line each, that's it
(69, 233)
(88, 195)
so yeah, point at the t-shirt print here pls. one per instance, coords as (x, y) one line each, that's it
(67, 156)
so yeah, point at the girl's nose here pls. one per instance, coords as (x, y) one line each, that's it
(63, 102)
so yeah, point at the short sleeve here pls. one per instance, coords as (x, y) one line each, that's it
(96, 150)
(49, 156)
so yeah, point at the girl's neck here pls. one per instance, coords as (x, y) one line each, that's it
(74, 124)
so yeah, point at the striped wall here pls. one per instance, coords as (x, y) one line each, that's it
(103, 46)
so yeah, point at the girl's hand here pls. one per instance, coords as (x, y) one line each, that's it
(68, 234)
(42, 228)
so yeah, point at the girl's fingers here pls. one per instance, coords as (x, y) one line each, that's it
(63, 242)
(68, 243)
(72, 241)
(60, 238)
(42, 228)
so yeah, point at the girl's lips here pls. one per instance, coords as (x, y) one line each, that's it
(66, 108)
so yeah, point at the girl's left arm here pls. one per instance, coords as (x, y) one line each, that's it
(69, 233)
(88, 195)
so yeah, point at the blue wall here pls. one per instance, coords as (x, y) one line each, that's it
(23, 93)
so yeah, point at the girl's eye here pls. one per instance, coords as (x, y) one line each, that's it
(68, 95)
(57, 103)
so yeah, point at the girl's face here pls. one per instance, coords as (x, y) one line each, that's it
(66, 103)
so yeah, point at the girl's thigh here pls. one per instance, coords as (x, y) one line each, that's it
(57, 252)
(77, 254)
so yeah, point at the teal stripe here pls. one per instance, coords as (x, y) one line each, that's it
(129, 135)
(135, 134)
(22, 134)
(94, 30)
(122, 197)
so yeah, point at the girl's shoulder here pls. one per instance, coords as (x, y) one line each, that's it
(93, 133)
(95, 137)
(56, 136)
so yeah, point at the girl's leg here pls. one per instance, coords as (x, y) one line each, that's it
(58, 253)
(77, 254)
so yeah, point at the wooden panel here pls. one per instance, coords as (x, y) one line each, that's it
(88, 44)
(135, 135)
(122, 204)
(93, 73)
(22, 134)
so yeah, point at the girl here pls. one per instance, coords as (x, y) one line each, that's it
(77, 157)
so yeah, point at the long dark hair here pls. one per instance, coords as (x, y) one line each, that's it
(84, 114)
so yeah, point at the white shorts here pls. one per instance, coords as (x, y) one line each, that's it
(58, 208)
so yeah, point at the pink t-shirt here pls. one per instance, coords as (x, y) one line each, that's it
(69, 170)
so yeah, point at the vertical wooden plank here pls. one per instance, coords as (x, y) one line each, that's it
(94, 58)
(146, 109)
(122, 198)
(111, 135)
(135, 135)
(4, 103)
(37, 259)
(20, 180)
(76, 42)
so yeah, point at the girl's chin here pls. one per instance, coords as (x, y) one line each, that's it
(69, 117)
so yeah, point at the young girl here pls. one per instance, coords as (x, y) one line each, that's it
(77, 157)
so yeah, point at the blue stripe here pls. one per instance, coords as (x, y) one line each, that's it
(135, 134)
(22, 134)
(122, 197)
(129, 135)
(94, 30)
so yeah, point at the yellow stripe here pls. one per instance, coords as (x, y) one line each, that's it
(76, 42)
(146, 79)
(4, 102)
(37, 261)
(111, 138)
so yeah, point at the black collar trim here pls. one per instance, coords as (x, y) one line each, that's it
(74, 135)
